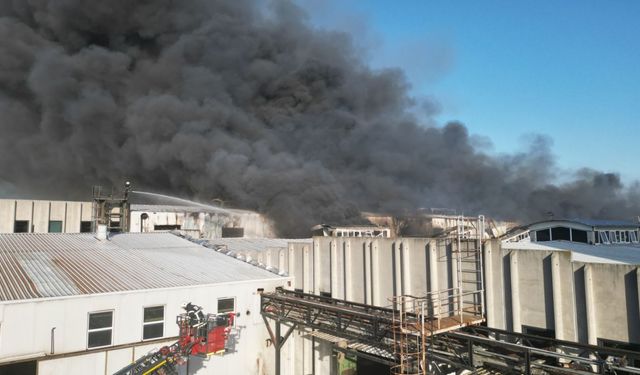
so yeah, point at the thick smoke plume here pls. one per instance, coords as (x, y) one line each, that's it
(224, 99)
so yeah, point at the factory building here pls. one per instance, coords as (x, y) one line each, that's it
(200, 221)
(76, 304)
(561, 289)
(38, 216)
(574, 280)
(362, 269)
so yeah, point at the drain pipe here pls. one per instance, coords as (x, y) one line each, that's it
(53, 337)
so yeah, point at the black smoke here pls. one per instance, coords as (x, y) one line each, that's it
(226, 99)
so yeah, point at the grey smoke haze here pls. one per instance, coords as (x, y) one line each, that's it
(220, 99)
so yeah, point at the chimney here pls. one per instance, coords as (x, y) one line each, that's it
(101, 232)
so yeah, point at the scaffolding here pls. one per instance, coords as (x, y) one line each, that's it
(417, 318)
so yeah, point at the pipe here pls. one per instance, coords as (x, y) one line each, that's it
(53, 341)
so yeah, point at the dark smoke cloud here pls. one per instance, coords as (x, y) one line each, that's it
(223, 99)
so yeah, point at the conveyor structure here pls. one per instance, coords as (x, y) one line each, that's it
(462, 345)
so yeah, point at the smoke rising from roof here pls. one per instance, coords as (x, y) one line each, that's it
(221, 99)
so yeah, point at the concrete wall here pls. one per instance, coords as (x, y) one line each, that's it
(25, 329)
(581, 302)
(372, 270)
(39, 213)
(365, 270)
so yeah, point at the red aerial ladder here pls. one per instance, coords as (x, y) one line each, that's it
(200, 335)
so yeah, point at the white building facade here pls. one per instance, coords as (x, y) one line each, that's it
(71, 304)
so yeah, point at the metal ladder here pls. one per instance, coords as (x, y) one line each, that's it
(469, 270)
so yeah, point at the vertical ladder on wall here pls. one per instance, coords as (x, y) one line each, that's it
(469, 270)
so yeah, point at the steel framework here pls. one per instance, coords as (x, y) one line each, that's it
(469, 348)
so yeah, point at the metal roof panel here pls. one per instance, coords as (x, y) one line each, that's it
(40, 265)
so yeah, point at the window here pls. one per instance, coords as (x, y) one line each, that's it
(226, 305)
(613, 237)
(100, 329)
(21, 226)
(232, 232)
(166, 227)
(55, 226)
(536, 331)
(578, 235)
(633, 236)
(20, 368)
(543, 235)
(153, 322)
(85, 227)
(560, 233)
(604, 237)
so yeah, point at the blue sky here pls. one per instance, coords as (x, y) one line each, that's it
(508, 69)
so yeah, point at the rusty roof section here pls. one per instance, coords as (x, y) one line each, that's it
(43, 265)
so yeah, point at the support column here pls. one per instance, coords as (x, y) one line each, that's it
(515, 293)
(375, 271)
(556, 282)
(368, 296)
(307, 269)
(317, 266)
(346, 271)
(397, 254)
(406, 258)
(433, 273)
(489, 285)
(592, 325)
(277, 346)
(336, 259)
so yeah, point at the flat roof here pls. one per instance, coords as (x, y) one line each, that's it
(43, 265)
(585, 253)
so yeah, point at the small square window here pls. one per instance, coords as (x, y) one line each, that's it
(153, 322)
(21, 226)
(55, 226)
(100, 329)
(226, 305)
(85, 227)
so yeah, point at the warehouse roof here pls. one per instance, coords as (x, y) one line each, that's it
(585, 253)
(53, 265)
(240, 245)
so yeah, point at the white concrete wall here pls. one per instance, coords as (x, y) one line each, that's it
(39, 213)
(581, 302)
(25, 329)
(364, 270)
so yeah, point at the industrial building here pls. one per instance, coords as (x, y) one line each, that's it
(575, 280)
(571, 293)
(559, 294)
(200, 221)
(77, 304)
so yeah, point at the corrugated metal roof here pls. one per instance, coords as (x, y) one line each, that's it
(242, 245)
(585, 253)
(40, 265)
